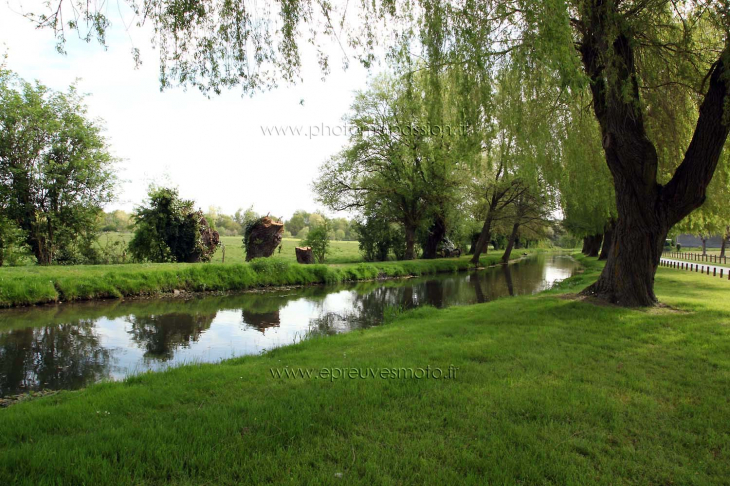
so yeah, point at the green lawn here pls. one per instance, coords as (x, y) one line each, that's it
(549, 390)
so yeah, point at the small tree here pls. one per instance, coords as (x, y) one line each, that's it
(169, 229)
(375, 237)
(319, 239)
(56, 170)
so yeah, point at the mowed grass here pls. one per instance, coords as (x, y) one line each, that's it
(549, 390)
(31, 285)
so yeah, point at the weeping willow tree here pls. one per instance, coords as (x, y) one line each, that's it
(405, 157)
(520, 146)
(634, 55)
(587, 197)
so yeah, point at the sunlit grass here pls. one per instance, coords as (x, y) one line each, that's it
(549, 390)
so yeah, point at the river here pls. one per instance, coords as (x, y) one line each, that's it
(70, 346)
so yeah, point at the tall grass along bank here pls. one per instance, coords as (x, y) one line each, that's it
(550, 389)
(39, 285)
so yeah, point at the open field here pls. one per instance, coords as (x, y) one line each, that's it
(340, 251)
(548, 390)
(30, 285)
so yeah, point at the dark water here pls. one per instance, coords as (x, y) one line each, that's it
(72, 345)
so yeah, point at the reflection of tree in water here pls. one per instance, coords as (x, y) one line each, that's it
(368, 308)
(64, 356)
(261, 321)
(161, 335)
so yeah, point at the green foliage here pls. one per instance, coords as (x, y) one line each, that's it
(341, 227)
(243, 218)
(404, 159)
(56, 171)
(318, 238)
(169, 229)
(713, 217)
(249, 226)
(269, 267)
(116, 221)
(13, 247)
(376, 239)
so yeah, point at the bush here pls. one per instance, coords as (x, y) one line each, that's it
(13, 248)
(375, 238)
(319, 239)
(269, 266)
(168, 229)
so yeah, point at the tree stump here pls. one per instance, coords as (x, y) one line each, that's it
(304, 255)
(263, 238)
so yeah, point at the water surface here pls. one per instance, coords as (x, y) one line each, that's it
(72, 345)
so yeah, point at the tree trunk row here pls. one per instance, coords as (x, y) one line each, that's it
(607, 242)
(592, 245)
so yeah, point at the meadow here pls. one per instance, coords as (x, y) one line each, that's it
(547, 389)
(340, 251)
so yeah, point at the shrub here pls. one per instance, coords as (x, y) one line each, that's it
(13, 248)
(375, 238)
(319, 239)
(168, 229)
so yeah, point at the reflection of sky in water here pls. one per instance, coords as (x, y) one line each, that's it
(227, 337)
(562, 268)
(143, 337)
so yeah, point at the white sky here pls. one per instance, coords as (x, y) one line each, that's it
(212, 149)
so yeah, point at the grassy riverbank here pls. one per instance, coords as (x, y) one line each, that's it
(39, 285)
(549, 390)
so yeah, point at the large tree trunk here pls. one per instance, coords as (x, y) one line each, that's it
(607, 242)
(483, 242)
(436, 234)
(595, 245)
(628, 277)
(473, 245)
(410, 253)
(704, 246)
(510, 243)
(646, 209)
(586, 244)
